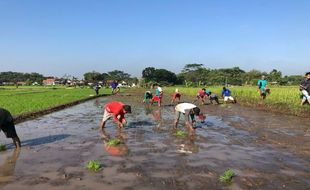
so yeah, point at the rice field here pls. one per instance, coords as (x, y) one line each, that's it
(281, 98)
(28, 99)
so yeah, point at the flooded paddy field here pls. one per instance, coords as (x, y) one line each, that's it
(265, 150)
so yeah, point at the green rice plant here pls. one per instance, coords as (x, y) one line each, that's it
(94, 165)
(281, 98)
(25, 99)
(227, 176)
(181, 133)
(114, 142)
(2, 147)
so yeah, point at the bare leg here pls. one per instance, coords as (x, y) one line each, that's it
(101, 128)
(16, 142)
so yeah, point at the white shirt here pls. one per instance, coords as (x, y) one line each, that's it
(182, 107)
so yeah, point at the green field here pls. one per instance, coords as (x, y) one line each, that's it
(284, 99)
(28, 99)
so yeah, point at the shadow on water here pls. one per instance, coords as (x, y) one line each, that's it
(135, 124)
(42, 140)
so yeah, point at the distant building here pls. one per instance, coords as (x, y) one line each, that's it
(21, 83)
(49, 81)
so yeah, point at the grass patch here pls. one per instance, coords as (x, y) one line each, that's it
(94, 165)
(227, 176)
(26, 99)
(114, 142)
(181, 133)
(2, 147)
(282, 98)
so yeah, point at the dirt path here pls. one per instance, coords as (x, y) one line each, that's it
(266, 151)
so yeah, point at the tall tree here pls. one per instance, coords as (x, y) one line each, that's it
(275, 75)
(148, 73)
(93, 76)
(118, 75)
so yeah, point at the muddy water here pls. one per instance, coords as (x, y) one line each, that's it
(266, 151)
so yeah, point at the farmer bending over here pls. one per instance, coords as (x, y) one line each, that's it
(8, 127)
(189, 110)
(176, 95)
(117, 110)
(201, 96)
(212, 97)
(147, 96)
(226, 94)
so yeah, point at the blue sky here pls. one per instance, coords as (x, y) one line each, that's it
(55, 37)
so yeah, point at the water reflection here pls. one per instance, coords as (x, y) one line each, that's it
(8, 167)
(188, 146)
(116, 150)
(157, 118)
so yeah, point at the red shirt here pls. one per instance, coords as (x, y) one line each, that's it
(201, 93)
(116, 108)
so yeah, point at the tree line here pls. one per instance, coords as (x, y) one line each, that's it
(197, 75)
(191, 75)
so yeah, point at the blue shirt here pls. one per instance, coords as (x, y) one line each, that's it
(226, 92)
(158, 91)
(262, 84)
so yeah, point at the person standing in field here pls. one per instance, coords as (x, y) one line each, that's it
(158, 94)
(97, 87)
(117, 110)
(189, 111)
(176, 95)
(305, 88)
(263, 87)
(226, 94)
(8, 127)
(115, 88)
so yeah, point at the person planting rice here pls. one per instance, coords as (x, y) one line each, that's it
(226, 94)
(117, 110)
(201, 96)
(176, 95)
(190, 111)
(147, 96)
(8, 127)
(305, 88)
(158, 95)
(263, 87)
(212, 97)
